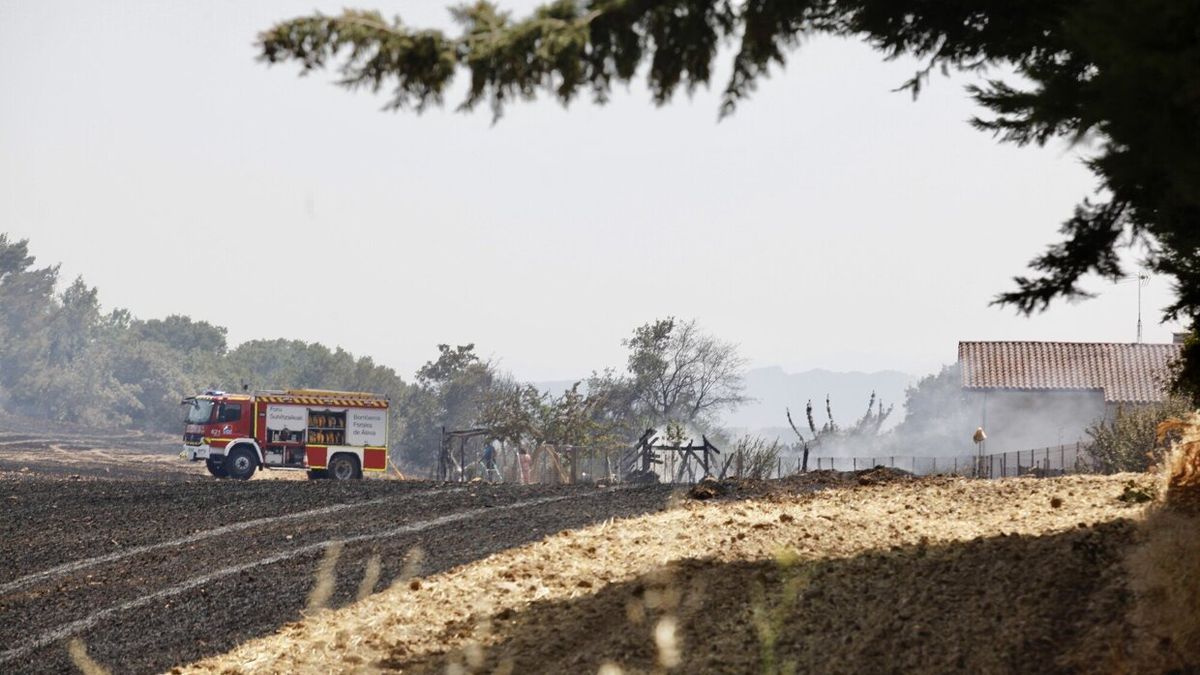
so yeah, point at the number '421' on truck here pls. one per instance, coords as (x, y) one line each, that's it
(329, 434)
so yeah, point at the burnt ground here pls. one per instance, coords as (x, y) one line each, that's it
(38, 448)
(152, 564)
(111, 538)
(145, 572)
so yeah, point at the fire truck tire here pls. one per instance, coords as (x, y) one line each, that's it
(317, 474)
(216, 466)
(241, 463)
(344, 467)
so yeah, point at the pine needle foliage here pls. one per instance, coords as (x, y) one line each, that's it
(1165, 566)
(1123, 77)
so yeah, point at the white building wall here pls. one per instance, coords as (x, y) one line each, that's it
(1021, 420)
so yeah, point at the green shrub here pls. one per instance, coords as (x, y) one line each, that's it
(1128, 441)
(757, 457)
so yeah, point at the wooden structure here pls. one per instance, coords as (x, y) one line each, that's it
(675, 460)
(647, 461)
(448, 468)
(549, 463)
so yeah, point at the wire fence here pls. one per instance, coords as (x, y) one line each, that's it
(565, 464)
(1048, 461)
(545, 464)
(1041, 462)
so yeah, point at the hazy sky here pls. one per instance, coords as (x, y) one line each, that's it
(830, 223)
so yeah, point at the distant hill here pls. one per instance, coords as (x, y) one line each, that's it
(558, 387)
(774, 390)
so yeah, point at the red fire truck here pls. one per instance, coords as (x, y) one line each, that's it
(331, 434)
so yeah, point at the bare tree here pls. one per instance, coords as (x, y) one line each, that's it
(681, 374)
(803, 441)
(866, 427)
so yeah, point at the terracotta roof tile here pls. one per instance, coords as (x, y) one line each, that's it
(1126, 373)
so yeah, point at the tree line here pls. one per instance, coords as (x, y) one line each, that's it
(1123, 81)
(64, 359)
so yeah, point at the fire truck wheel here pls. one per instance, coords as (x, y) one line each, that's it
(216, 466)
(240, 463)
(317, 474)
(344, 467)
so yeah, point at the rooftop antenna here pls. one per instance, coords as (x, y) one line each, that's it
(1143, 279)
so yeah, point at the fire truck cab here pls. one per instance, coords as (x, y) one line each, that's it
(329, 434)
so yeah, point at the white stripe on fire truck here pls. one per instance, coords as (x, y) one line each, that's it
(66, 630)
(328, 402)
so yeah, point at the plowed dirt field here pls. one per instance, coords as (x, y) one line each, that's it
(146, 564)
(934, 575)
(113, 540)
(154, 574)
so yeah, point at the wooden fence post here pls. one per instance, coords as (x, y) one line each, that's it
(443, 469)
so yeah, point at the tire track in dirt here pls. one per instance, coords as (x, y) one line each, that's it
(78, 565)
(42, 605)
(74, 627)
(208, 613)
(54, 522)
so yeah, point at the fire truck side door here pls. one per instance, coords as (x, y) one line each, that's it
(230, 414)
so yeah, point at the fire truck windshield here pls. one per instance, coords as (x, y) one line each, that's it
(199, 411)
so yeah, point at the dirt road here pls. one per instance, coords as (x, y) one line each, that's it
(150, 574)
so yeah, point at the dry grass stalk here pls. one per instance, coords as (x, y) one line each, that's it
(1181, 466)
(82, 661)
(412, 564)
(667, 642)
(1165, 569)
(326, 578)
(769, 621)
(370, 577)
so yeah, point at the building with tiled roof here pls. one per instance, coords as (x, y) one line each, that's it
(1042, 394)
(1125, 373)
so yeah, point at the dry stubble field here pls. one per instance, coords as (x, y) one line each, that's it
(934, 575)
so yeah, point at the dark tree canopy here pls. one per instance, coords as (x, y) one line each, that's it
(1123, 76)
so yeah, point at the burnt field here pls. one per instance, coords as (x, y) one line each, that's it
(150, 565)
(39, 448)
(150, 574)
